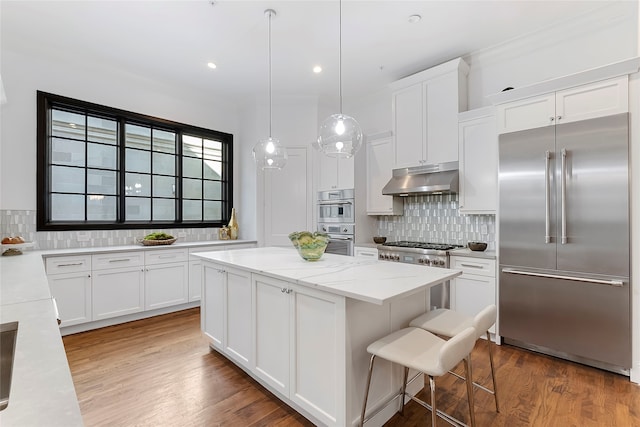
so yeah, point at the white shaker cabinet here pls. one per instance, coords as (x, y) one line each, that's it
(475, 289)
(583, 102)
(365, 252)
(69, 279)
(425, 109)
(335, 173)
(227, 311)
(478, 164)
(380, 155)
(166, 280)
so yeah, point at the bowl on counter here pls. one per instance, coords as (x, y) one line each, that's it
(379, 239)
(477, 246)
(310, 245)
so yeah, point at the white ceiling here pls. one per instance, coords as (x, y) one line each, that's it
(172, 41)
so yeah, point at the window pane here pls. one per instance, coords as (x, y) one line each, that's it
(137, 161)
(67, 152)
(164, 164)
(68, 125)
(164, 210)
(101, 208)
(212, 170)
(101, 182)
(102, 130)
(137, 209)
(164, 141)
(191, 210)
(191, 146)
(191, 167)
(67, 207)
(136, 184)
(67, 180)
(102, 156)
(212, 190)
(192, 189)
(137, 136)
(164, 186)
(212, 211)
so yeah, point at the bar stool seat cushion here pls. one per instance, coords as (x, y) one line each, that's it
(444, 322)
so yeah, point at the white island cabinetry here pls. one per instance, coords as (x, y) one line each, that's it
(309, 324)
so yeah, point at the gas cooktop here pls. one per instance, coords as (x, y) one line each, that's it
(422, 245)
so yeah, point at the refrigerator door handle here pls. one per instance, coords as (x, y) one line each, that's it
(547, 228)
(617, 283)
(563, 195)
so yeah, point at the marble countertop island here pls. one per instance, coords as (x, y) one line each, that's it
(368, 280)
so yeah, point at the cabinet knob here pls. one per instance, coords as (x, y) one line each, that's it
(551, 119)
(283, 290)
(559, 117)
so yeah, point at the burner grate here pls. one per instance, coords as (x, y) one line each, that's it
(422, 245)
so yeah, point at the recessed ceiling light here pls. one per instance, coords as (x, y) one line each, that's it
(211, 65)
(414, 18)
(317, 69)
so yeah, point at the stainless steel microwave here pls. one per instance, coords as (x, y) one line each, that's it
(336, 206)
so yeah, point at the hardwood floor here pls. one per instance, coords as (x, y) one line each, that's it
(160, 372)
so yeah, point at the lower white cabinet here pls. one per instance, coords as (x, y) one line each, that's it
(476, 287)
(365, 252)
(166, 285)
(72, 292)
(117, 292)
(227, 311)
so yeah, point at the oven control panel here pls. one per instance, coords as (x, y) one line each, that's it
(428, 260)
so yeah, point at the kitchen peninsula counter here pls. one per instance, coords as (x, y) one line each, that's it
(301, 328)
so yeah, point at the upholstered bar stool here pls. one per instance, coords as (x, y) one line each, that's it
(447, 323)
(415, 348)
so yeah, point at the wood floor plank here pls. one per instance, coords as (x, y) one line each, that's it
(161, 372)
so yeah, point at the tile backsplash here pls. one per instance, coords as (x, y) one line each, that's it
(437, 219)
(23, 223)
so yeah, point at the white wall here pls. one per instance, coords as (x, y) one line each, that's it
(23, 75)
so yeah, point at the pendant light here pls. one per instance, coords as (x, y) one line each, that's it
(269, 153)
(340, 135)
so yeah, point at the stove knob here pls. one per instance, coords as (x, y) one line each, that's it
(427, 262)
(440, 262)
(421, 261)
(380, 256)
(397, 258)
(344, 230)
(386, 257)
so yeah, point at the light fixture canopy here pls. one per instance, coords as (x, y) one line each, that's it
(340, 135)
(269, 153)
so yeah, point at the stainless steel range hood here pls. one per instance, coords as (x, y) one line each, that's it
(428, 179)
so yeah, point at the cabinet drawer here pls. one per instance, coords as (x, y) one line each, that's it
(68, 264)
(116, 260)
(211, 248)
(165, 255)
(479, 266)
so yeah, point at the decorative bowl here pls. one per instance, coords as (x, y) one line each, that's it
(379, 239)
(310, 245)
(477, 246)
(146, 242)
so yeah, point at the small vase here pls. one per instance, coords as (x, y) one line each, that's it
(233, 225)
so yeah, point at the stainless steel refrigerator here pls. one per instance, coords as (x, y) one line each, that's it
(564, 242)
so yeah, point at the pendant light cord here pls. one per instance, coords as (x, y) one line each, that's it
(340, 58)
(270, 102)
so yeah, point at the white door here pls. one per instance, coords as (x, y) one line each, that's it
(72, 292)
(166, 285)
(238, 316)
(117, 292)
(288, 198)
(213, 303)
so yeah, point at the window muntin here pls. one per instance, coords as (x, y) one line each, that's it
(105, 168)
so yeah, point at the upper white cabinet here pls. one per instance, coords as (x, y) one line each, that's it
(583, 102)
(336, 173)
(478, 164)
(380, 155)
(425, 109)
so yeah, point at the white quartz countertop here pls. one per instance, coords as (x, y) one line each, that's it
(373, 281)
(473, 254)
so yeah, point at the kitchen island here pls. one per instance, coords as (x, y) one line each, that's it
(302, 328)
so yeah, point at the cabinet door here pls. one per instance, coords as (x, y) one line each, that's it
(346, 173)
(328, 172)
(478, 166)
(589, 101)
(165, 285)
(72, 292)
(195, 280)
(527, 113)
(408, 119)
(472, 293)
(271, 332)
(212, 308)
(363, 252)
(442, 108)
(117, 292)
(380, 154)
(238, 315)
(318, 354)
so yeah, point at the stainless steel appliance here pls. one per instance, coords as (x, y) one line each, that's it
(421, 253)
(341, 238)
(564, 241)
(437, 178)
(336, 206)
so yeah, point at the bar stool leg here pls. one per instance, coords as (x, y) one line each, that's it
(366, 391)
(467, 369)
(493, 372)
(434, 411)
(404, 390)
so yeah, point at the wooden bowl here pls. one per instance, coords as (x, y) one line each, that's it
(379, 239)
(477, 246)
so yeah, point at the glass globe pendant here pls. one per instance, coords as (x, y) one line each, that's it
(269, 153)
(339, 135)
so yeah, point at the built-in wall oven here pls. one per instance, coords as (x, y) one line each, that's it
(336, 216)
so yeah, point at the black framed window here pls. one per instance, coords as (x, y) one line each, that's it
(104, 168)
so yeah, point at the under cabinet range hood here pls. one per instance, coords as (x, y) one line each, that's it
(428, 179)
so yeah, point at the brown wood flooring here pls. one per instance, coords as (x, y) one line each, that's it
(160, 372)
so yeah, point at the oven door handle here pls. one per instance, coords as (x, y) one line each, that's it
(335, 202)
(340, 238)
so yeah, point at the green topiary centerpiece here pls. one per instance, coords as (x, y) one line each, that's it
(310, 245)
